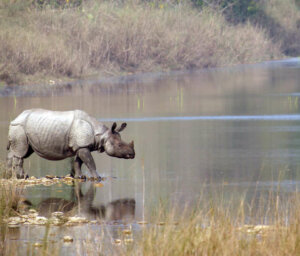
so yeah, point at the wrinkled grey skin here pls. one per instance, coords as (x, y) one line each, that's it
(56, 135)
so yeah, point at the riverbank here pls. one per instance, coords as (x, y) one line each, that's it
(51, 45)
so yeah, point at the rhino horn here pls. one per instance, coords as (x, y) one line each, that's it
(131, 144)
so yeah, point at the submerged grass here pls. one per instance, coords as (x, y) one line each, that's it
(113, 37)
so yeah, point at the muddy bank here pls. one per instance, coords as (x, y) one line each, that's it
(130, 83)
(107, 85)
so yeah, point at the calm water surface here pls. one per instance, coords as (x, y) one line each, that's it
(236, 130)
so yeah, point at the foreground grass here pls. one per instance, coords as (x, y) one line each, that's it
(208, 230)
(267, 225)
(216, 232)
(107, 37)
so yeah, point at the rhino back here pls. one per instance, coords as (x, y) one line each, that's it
(21, 119)
(47, 132)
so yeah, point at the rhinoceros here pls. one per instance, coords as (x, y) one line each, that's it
(56, 135)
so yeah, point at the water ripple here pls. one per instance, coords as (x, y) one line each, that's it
(206, 118)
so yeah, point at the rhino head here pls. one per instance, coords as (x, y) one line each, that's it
(114, 146)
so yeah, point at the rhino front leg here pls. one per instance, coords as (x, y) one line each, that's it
(76, 172)
(86, 157)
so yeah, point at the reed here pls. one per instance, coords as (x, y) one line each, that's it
(215, 231)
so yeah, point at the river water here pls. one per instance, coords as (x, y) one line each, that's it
(234, 130)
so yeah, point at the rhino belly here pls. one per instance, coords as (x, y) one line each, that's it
(47, 132)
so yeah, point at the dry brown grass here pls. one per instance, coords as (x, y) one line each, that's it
(111, 38)
(11, 196)
(216, 232)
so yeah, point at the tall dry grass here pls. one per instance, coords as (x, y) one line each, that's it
(110, 37)
(11, 196)
(215, 231)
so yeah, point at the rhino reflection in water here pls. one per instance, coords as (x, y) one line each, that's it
(56, 135)
(82, 204)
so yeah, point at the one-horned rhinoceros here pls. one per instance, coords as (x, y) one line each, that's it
(56, 135)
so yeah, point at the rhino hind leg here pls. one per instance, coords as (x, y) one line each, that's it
(18, 149)
(15, 166)
(8, 172)
(86, 157)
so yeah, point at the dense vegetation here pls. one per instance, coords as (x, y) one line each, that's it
(70, 39)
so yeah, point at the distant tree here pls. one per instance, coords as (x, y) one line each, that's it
(59, 3)
(234, 10)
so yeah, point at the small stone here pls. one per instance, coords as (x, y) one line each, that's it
(40, 220)
(58, 215)
(127, 232)
(13, 224)
(68, 182)
(31, 181)
(161, 223)
(56, 222)
(68, 239)
(14, 219)
(37, 245)
(33, 215)
(128, 240)
(76, 219)
(117, 241)
(142, 222)
(32, 211)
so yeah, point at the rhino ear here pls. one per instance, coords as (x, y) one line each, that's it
(113, 127)
(122, 127)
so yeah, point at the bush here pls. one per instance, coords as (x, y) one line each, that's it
(235, 10)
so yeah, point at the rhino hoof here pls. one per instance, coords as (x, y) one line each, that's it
(82, 177)
(95, 179)
(22, 176)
